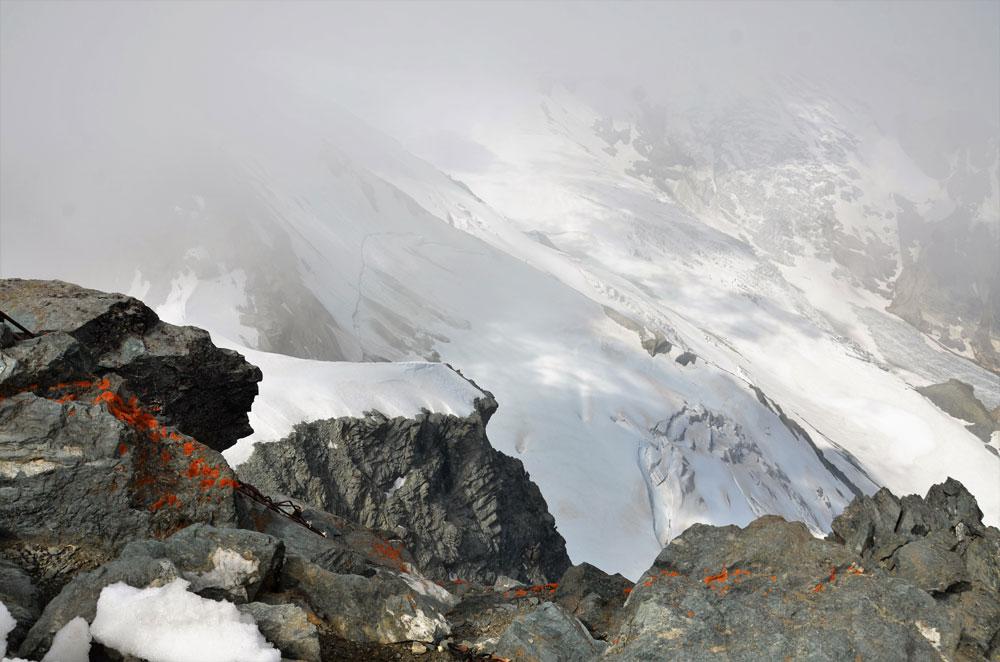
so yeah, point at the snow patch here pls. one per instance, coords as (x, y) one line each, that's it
(169, 624)
(230, 572)
(7, 625)
(71, 643)
(398, 483)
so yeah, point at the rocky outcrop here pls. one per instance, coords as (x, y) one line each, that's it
(229, 564)
(462, 508)
(939, 544)
(594, 597)
(958, 399)
(203, 391)
(548, 634)
(904, 577)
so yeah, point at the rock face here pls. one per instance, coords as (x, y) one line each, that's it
(939, 544)
(594, 597)
(914, 578)
(548, 634)
(462, 508)
(202, 390)
(959, 399)
(95, 417)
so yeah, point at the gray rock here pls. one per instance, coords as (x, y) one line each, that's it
(384, 608)
(594, 597)
(220, 563)
(548, 634)
(939, 544)
(202, 390)
(772, 591)
(929, 563)
(85, 473)
(288, 628)
(22, 599)
(462, 508)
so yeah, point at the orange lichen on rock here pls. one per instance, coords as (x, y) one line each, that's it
(188, 448)
(855, 569)
(669, 573)
(388, 551)
(833, 574)
(627, 591)
(690, 614)
(818, 588)
(720, 578)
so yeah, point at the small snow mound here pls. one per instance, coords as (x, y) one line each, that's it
(71, 643)
(169, 624)
(7, 625)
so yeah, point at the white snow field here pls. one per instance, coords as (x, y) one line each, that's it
(540, 276)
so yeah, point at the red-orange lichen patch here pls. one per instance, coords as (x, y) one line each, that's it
(720, 578)
(627, 591)
(188, 447)
(122, 449)
(387, 551)
(669, 573)
(690, 614)
(818, 588)
(855, 569)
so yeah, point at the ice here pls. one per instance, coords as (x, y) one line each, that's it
(170, 624)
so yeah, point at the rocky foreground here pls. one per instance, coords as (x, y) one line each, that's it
(386, 539)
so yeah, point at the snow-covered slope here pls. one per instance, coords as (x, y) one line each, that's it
(576, 292)
(298, 390)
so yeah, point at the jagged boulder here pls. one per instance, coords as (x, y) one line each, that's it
(97, 414)
(940, 544)
(288, 627)
(22, 600)
(462, 508)
(385, 608)
(548, 634)
(332, 543)
(202, 390)
(594, 597)
(230, 564)
(910, 577)
(773, 591)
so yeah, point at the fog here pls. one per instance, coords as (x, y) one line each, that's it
(93, 91)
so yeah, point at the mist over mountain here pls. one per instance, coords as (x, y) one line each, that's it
(703, 255)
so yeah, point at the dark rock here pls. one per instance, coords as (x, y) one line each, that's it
(773, 591)
(229, 564)
(202, 390)
(347, 548)
(930, 564)
(940, 544)
(548, 634)
(288, 628)
(685, 358)
(594, 597)
(22, 599)
(462, 508)
(82, 468)
(384, 608)
(958, 399)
